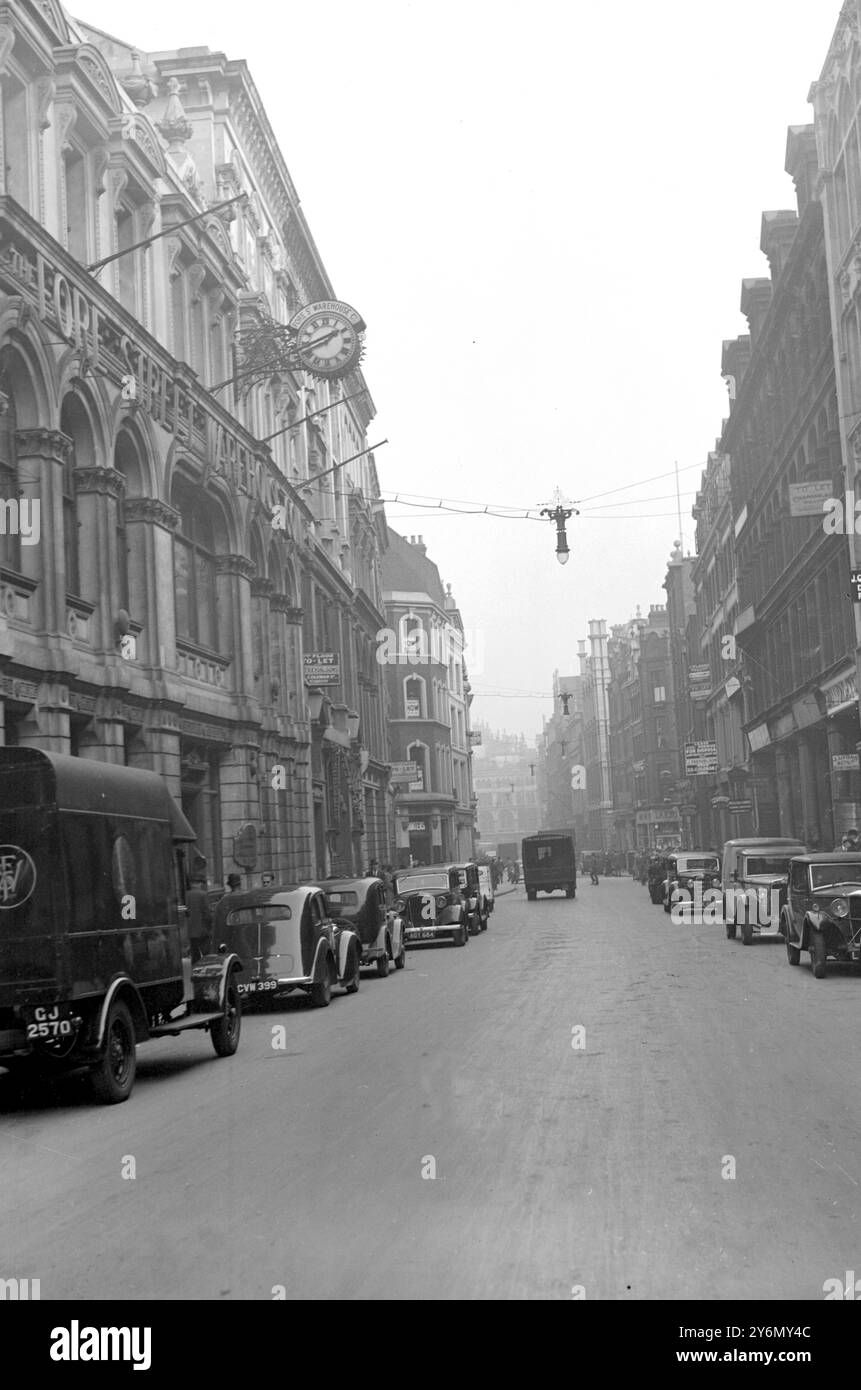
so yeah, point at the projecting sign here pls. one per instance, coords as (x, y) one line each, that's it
(322, 668)
(700, 758)
(808, 499)
(699, 692)
(404, 772)
(699, 673)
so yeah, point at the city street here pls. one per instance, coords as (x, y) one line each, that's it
(556, 1166)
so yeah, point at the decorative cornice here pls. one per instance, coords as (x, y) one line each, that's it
(43, 443)
(239, 565)
(152, 510)
(107, 481)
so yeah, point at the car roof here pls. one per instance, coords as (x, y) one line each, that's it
(253, 897)
(338, 883)
(833, 856)
(752, 843)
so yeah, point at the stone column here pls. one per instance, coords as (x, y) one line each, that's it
(42, 455)
(784, 790)
(98, 491)
(811, 826)
(234, 574)
(150, 525)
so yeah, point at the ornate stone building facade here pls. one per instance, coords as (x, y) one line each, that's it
(194, 544)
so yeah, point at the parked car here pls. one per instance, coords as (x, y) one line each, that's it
(288, 942)
(471, 889)
(95, 956)
(750, 870)
(433, 901)
(687, 869)
(360, 904)
(822, 913)
(549, 863)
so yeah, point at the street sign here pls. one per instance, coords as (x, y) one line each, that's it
(322, 668)
(700, 758)
(808, 499)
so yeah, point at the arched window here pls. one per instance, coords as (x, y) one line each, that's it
(418, 753)
(194, 567)
(10, 538)
(127, 461)
(415, 698)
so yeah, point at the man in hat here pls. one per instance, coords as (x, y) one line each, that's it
(849, 842)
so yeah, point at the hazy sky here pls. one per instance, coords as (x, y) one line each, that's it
(544, 212)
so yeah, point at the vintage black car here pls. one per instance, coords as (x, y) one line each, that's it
(471, 889)
(94, 950)
(360, 904)
(685, 871)
(434, 901)
(822, 913)
(288, 942)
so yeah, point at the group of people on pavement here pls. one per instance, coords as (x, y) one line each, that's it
(201, 910)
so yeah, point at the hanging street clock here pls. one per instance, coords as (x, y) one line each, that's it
(328, 338)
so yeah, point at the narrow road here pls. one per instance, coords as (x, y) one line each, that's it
(558, 1167)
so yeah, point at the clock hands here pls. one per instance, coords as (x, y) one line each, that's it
(324, 338)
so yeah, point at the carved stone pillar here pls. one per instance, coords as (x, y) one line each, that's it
(98, 491)
(234, 574)
(150, 525)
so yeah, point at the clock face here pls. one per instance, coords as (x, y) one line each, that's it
(328, 344)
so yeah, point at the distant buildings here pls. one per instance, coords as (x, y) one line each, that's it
(506, 772)
(422, 655)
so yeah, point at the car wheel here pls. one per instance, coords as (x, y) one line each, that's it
(530, 895)
(401, 959)
(353, 977)
(113, 1078)
(321, 992)
(746, 933)
(225, 1032)
(666, 905)
(460, 936)
(793, 954)
(383, 963)
(730, 931)
(818, 955)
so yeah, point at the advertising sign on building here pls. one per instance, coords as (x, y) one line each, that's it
(844, 762)
(413, 709)
(700, 758)
(404, 772)
(322, 668)
(416, 825)
(808, 499)
(419, 784)
(737, 808)
(855, 581)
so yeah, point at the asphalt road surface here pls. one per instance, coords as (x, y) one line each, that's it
(561, 1170)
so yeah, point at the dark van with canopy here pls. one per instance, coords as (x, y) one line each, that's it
(94, 948)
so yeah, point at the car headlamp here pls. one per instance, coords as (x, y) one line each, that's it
(839, 908)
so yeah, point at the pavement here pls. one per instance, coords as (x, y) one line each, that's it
(588, 1096)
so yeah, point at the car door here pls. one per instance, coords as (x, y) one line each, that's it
(797, 894)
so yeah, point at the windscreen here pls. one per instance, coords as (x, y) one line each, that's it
(826, 875)
(413, 883)
(707, 862)
(769, 865)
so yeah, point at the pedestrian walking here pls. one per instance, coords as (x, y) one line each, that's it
(593, 868)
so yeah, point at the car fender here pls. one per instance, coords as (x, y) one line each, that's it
(347, 940)
(396, 929)
(123, 987)
(322, 956)
(209, 977)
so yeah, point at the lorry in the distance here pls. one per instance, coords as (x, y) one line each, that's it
(549, 863)
(507, 850)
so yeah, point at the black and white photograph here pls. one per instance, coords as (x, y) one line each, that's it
(430, 655)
